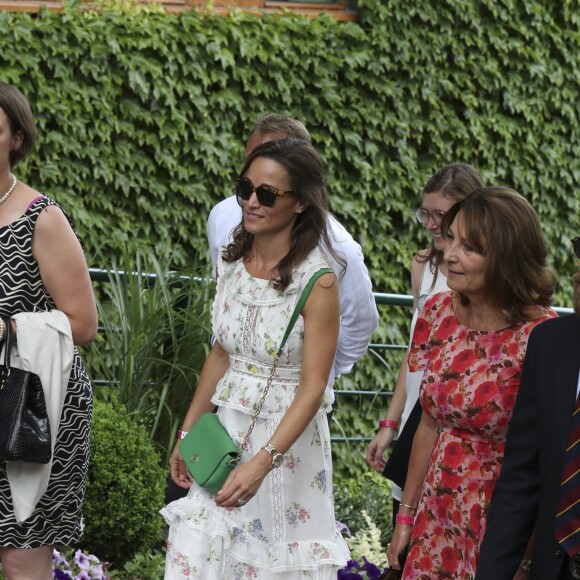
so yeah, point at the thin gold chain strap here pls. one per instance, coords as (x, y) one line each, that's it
(255, 417)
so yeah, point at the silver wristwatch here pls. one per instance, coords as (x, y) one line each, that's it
(277, 458)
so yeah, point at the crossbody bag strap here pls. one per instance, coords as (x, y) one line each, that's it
(300, 305)
(297, 310)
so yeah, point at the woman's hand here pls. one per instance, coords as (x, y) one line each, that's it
(179, 472)
(244, 481)
(376, 448)
(401, 537)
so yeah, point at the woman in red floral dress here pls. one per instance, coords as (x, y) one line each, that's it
(470, 342)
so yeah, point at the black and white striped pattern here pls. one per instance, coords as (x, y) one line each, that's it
(58, 516)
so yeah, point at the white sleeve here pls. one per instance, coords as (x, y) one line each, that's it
(223, 218)
(358, 311)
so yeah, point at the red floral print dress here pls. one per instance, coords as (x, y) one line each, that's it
(470, 382)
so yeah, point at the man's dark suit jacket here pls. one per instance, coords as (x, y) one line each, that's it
(527, 488)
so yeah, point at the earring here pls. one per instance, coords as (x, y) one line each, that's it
(298, 211)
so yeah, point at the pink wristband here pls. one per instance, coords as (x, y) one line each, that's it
(388, 423)
(181, 434)
(406, 520)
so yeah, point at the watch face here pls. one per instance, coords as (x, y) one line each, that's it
(277, 460)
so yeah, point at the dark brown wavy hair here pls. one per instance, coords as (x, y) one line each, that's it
(308, 182)
(503, 227)
(454, 182)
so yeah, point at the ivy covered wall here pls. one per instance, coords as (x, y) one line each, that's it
(142, 115)
(142, 118)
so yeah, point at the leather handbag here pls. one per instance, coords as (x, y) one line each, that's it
(391, 573)
(208, 451)
(24, 424)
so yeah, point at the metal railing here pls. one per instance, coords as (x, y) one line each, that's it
(381, 299)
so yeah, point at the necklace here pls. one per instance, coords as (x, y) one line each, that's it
(10, 190)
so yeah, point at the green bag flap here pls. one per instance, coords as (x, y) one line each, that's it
(205, 446)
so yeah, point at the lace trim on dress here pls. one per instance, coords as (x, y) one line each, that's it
(249, 329)
(248, 544)
(277, 494)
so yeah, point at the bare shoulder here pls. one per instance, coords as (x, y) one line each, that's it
(326, 281)
(323, 296)
(51, 217)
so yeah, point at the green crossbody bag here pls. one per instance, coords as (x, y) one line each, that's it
(208, 450)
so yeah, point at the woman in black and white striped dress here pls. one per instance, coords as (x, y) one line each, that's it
(43, 268)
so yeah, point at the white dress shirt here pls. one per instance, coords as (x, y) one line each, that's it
(358, 311)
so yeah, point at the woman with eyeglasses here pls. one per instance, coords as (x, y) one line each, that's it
(428, 277)
(274, 516)
(469, 343)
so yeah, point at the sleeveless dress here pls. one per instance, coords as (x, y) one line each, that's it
(413, 382)
(470, 382)
(57, 517)
(288, 530)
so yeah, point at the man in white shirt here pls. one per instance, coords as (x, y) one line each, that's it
(358, 311)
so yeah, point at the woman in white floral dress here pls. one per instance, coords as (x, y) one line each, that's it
(274, 516)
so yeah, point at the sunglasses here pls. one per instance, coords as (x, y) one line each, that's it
(423, 216)
(576, 246)
(266, 194)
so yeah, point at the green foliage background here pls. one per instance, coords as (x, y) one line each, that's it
(142, 118)
(125, 488)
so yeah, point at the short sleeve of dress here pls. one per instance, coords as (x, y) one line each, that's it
(420, 349)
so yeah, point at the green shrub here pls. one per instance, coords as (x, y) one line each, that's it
(148, 565)
(155, 342)
(368, 494)
(125, 488)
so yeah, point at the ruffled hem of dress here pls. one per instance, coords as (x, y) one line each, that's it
(282, 557)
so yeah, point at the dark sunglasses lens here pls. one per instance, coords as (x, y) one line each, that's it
(576, 245)
(244, 188)
(265, 196)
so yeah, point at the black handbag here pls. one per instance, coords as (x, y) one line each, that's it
(391, 573)
(24, 425)
(398, 462)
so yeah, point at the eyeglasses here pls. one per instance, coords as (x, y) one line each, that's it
(423, 216)
(576, 246)
(266, 194)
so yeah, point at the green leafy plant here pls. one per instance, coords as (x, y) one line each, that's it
(148, 565)
(125, 488)
(360, 502)
(156, 337)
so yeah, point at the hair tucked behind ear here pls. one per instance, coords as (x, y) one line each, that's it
(308, 182)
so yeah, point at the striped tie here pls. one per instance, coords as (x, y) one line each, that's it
(568, 513)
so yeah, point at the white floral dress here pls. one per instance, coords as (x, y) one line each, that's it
(287, 531)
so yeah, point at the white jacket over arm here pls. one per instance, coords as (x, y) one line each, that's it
(45, 347)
